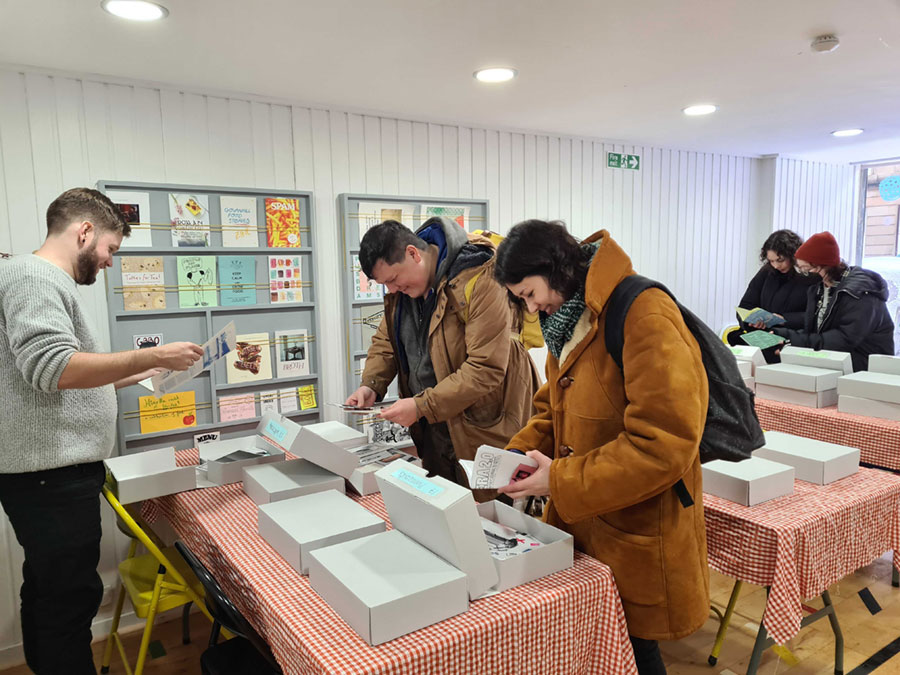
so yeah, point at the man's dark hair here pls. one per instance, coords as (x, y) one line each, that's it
(835, 273)
(85, 204)
(546, 249)
(785, 244)
(387, 241)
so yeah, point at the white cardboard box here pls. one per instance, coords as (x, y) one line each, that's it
(387, 585)
(332, 446)
(557, 552)
(802, 378)
(149, 474)
(810, 399)
(295, 527)
(266, 483)
(876, 386)
(362, 480)
(441, 516)
(747, 353)
(869, 407)
(745, 368)
(221, 470)
(882, 363)
(750, 383)
(824, 358)
(749, 482)
(813, 461)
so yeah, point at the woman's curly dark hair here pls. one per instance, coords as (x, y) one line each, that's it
(546, 249)
(785, 244)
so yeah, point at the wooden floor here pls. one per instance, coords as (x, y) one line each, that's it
(811, 651)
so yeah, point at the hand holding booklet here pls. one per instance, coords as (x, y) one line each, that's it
(754, 316)
(494, 468)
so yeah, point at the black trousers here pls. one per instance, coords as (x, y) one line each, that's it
(56, 517)
(646, 655)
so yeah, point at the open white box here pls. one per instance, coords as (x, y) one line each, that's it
(866, 384)
(882, 363)
(149, 474)
(747, 353)
(441, 516)
(332, 446)
(386, 585)
(266, 483)
(295, 527)
(810, 399)
(362, 480)
(274, 435)
(824, 358)
(869, 407)
(749, 482)
(801, 378)
(813, 461)
(557, 552)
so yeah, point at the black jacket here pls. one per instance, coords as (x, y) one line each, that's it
(857, 321)
(783, 294)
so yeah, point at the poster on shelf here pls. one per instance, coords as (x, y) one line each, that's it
(287, 400)
(285, 279)
(268, 402)
(369, 214)
(368, 320)
(458, 214)
(283, 222)
(197, 281)
(189, 217)
(135, 206)
(307, 394)
(143, 283)
(214, 349)
(363, 287)
(172, 411)
(238, 217)
(291, 353)
(251, 360)
(237, 280)
(233, 408)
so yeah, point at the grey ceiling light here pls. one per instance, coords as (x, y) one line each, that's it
(825, 43)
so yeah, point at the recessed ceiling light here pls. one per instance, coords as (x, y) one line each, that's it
(135, 10)
(700, 109)
(843, 133)
(495, 74)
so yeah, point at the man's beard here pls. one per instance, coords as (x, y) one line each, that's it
(87, 266)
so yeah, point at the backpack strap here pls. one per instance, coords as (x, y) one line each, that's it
(467, 294)
(620, 301)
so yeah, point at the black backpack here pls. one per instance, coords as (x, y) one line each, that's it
(732, 429)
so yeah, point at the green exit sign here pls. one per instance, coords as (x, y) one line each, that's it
(616, 160)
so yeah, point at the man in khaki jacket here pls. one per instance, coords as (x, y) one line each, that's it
(464, 379)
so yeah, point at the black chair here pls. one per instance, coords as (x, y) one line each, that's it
(245, 653)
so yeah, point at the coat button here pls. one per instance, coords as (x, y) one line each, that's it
(565, 450)
(565, 382)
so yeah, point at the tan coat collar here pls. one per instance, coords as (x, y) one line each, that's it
(611, 264)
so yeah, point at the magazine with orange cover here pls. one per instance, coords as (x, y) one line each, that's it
(283, 222)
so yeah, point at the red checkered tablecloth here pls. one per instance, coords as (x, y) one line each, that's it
(569, 622)
(802, 543)
(878, 440)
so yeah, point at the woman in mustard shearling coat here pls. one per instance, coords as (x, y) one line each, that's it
(610, 446)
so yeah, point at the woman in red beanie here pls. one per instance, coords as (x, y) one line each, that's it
(846, 312)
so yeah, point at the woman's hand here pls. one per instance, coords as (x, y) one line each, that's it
(537, 484)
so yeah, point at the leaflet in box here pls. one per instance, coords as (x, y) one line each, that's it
(813, 461)
(824, 358)
(226, 460)
(441, 516)
(882, 363)
(265, 483)
(295, 527)
(149, 474)
(866, 384)
(810, 399)
(801, 378)
(869, 407)
(747, 353)
(745, 368)
(749, 482)
(332, 446)
(556, 552)
(387, 585)
(372, 457)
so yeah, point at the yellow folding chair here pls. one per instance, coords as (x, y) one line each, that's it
(156, 581)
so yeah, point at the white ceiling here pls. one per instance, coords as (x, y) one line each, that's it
(614, 69)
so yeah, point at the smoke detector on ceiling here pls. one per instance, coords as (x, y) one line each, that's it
(825, 43)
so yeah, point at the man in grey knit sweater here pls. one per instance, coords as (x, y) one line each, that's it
(57, 423)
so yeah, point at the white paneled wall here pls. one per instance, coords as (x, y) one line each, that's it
(685, 217)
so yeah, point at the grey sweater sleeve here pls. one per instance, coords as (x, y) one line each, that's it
(40, 331)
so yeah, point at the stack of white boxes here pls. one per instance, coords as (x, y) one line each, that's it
(804, 377)
(874, 393)
(748, 358)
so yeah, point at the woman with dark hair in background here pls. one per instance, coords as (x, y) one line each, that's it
(612, 443)
(777, 287)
